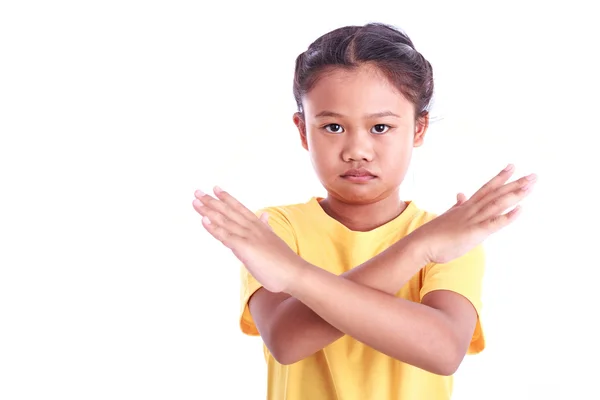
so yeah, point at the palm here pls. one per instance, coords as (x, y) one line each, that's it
(451, 242)
(469, 222)
(268, 258)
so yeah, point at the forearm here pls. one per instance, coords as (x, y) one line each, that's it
(301, 332)
(390, 270)
(405, 330)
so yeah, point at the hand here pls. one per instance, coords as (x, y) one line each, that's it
(268, 258)
(469, 222)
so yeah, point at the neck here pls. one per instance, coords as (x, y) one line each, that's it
(364, 217)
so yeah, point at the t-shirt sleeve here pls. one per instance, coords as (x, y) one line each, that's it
(282, 228)
(463, 275)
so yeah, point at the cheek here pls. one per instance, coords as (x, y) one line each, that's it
(396, 157)
(321, 149)
(322, 157)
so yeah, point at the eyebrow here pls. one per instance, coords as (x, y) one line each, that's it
(374, 115)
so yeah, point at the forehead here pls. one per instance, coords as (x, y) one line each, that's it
(364, 90)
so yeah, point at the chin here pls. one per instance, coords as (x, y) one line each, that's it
(357, 195)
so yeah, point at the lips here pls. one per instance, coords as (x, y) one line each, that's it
(358, 173)
(358, 176)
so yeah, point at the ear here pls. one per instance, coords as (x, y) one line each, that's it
(299, 122)
(421, 126)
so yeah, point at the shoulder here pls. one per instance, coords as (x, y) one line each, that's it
(289, 214)
(287, 220)
(289, 210)
(419, 216)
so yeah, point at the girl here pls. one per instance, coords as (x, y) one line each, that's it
(362, 295)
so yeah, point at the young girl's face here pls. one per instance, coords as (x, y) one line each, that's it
(360, 132)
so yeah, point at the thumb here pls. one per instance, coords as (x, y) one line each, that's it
(264, 217)
(460, 198)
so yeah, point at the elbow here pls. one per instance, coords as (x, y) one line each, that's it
(447, 364)
(277, 350)
(284, 358)
(442, 355)
(280, 347)
(283, 354)
(446, 368)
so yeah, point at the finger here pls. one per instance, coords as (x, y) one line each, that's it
(219, 219)
(218, 232)
(234, 204)
(499, 205)
(221, 207)
(511, 186)
(500, 221)
(493, 183)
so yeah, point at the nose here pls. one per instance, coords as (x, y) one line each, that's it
(358, 147)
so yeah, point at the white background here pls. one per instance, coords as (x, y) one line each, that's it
(112, 113)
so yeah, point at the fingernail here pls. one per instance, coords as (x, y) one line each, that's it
(206, 221)
(532, 177)
(199, 193)
(509, 167)
(218, 189)
(528, 186)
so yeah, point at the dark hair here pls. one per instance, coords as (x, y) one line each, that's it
(384, 46)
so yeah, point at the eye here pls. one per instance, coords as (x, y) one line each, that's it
(380, 128)
(333, 128)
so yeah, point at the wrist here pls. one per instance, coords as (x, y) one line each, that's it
(297, 271)
(417, 245)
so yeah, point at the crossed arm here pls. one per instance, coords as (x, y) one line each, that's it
(433, 335)
(313, 308)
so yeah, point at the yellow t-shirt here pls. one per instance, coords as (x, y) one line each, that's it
(348, 369)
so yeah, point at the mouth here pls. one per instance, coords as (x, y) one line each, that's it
(358, 175)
